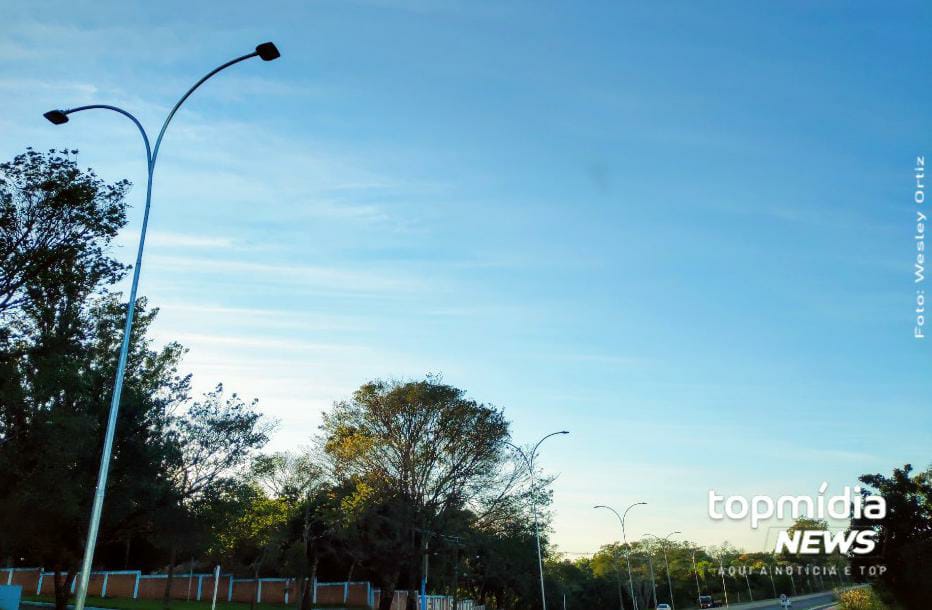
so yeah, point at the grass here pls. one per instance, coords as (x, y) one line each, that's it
(156, 604)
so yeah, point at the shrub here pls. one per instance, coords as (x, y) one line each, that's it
(862, 598)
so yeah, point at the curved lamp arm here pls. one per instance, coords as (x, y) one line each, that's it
(530, 460)
(665, 538)
(520, 452)
(61, 116)
(625, 515)
(266, 51)
(621, 518)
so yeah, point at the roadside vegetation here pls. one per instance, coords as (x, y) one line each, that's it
(861, 599)
(400, 471)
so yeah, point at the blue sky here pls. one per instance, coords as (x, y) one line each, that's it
(682, 232)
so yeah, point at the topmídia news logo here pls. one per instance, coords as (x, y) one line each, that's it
(850, 504)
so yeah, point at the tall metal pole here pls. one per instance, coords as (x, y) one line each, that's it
(530, 464)
(425, 568)
(724, 586)
(621, 519)
(267, 52)
(213, 603)
(773, 585)
(696, 572)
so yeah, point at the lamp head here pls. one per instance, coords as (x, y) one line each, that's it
(268, 51)
(564, 431)
(56, 117)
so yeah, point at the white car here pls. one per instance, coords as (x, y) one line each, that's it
(663, 607)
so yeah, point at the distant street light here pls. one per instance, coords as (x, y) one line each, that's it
(621, 519)
(696, 572)
(529, 460)
(663, 546)
(721, 566)
(265, 51)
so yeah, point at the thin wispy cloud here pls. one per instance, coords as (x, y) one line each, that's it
(331, 279)
(263, 343)
(182, 240)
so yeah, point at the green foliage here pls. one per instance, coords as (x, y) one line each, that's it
(57, 345)
(254, 534)
(56, 224)
(60, 334)
(862, 598)
(904, 535)
(419, 466)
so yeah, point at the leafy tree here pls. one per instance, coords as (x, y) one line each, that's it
(211, 442)
(56, 224)
(256, 533)
(314, 513)
(421, 449)
(904, 535)
(62, 394)
(59, 337)
(57, 364)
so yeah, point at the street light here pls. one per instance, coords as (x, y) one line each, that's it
(529, 460)
(696, 572)
(666, 539)
(265, 51)
(621, 519)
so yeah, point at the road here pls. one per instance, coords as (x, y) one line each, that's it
(798, 604)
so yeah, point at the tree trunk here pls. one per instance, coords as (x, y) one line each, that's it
(349, 579)
(167, 599)
(308, 599)
(305, 586)
(126, 553)
(306, 583)
(255, 575)
(387, 594)
(62, 588)
(300, 588)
